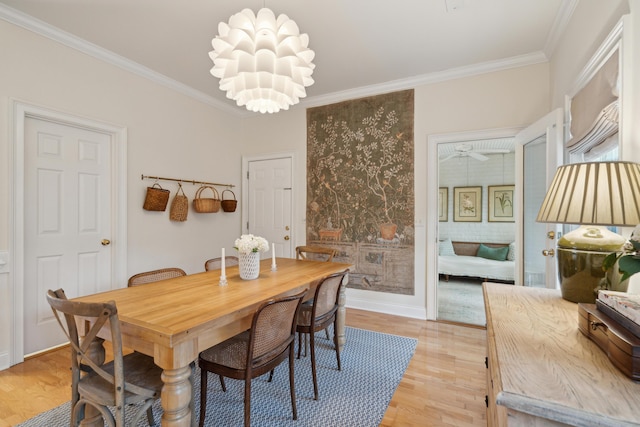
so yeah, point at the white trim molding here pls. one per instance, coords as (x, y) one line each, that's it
(425, 79)
(46, 30)
(37, 26)
(386, 307)
(432, 200)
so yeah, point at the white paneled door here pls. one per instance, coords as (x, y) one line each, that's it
(270, 204)
(67, 205)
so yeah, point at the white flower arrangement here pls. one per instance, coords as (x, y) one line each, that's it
(248, 243)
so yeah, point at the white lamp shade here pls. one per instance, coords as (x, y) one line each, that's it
(262, 63)
(597, 193)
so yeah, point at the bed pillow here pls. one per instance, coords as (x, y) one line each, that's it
(497, 254)
(446, 248)
(511, 255)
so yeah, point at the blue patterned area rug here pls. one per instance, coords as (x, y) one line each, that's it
(372, 367)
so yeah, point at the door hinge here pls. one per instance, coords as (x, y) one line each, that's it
(247, 174)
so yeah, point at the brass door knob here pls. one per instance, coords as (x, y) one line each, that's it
(548, 252)
(286, 237)
(105, 242)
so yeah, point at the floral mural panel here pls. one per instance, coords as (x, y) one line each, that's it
(360, 194)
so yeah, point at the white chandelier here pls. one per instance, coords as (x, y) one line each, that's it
(262, 63)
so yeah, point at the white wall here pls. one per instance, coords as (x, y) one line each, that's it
(507, 99)
(592, 22)
(498, 169)
(172, 135)
(169, 134)
(511, 98)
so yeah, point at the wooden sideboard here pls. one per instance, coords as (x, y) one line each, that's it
(542, 371)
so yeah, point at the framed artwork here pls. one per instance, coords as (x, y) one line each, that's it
(467, 204)
(501, 203)
(443, 204)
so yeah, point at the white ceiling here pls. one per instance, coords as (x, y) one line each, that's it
(362, 46)
(483, 146)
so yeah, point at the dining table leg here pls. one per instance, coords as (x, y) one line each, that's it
(176, 397)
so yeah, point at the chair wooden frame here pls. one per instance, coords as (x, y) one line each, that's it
(155, 276)
(320, 251)
(264, 351)
(216, 263)
(303, 251)
(319, 316)
(104, 385)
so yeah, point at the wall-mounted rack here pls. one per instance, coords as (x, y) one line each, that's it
(184, 181)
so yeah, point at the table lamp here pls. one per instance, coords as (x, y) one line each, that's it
(593, 195)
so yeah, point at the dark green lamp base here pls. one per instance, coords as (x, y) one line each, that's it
(580, 273)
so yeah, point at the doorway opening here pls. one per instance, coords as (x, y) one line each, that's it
(476, 184)
(471, 168)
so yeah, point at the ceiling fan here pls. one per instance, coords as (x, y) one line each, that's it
(466, 150)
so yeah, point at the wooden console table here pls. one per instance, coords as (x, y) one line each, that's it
(542, 371)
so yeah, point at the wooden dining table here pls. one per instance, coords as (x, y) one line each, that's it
(174, 320)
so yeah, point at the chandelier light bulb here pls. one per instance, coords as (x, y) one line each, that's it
(263, 63)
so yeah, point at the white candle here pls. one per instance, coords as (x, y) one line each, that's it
(273, 257)
(222, 265)
(223, 274)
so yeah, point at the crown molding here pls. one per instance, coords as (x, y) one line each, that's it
(440, 76)
(559, 26)
(46, 30)
(37, 26)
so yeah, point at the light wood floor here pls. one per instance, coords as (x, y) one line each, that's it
(444, 384)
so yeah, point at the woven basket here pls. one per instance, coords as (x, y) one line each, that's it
(206, 205)
(229, 205)
(156, 198)
(179, 206)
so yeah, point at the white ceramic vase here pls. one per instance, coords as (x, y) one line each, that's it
(249, 265)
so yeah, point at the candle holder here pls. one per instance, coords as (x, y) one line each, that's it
(274, 267)
(223, 281)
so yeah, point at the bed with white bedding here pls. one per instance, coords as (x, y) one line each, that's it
(472, 259)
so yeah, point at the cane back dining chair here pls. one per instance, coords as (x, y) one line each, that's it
(255, 352)
(216, 263)
(98, 384)
(155, 276)
(317, 253)
(318, 316)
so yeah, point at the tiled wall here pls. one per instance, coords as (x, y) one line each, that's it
(468, 172)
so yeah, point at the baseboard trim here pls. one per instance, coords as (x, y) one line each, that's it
(4, 361)
(387, 308)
